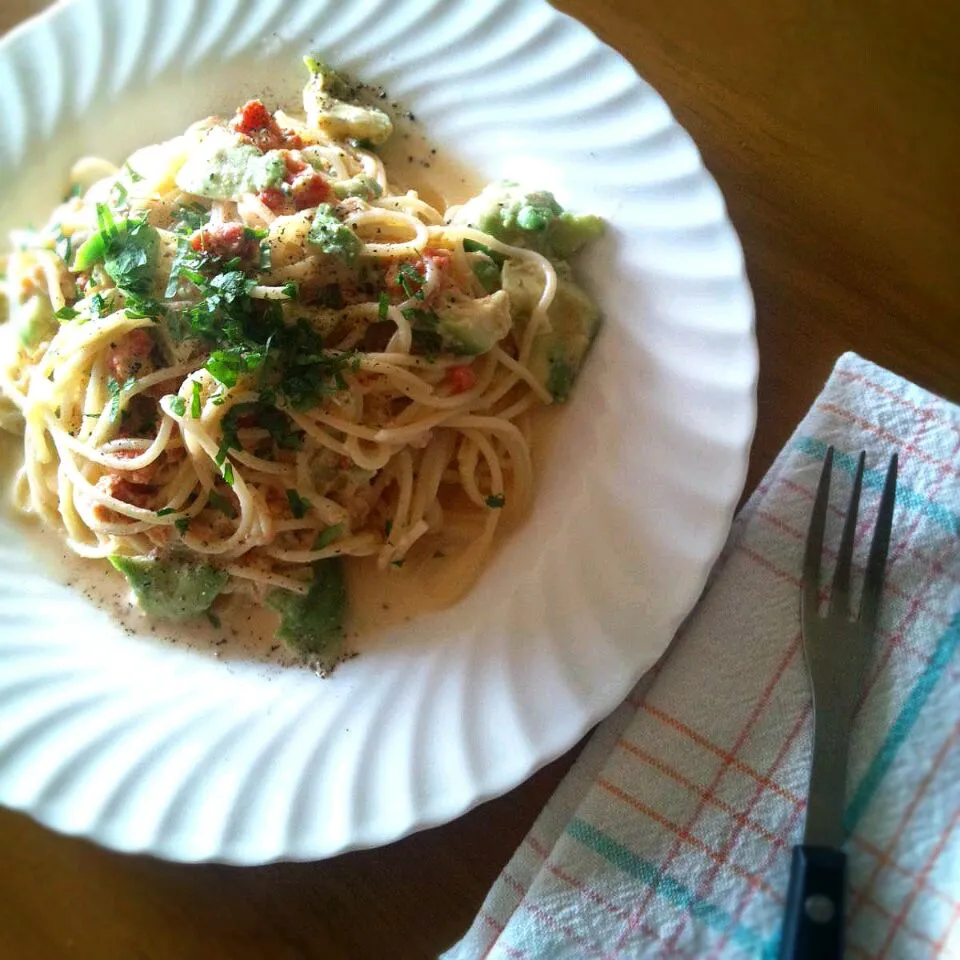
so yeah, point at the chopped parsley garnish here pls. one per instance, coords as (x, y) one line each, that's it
(116, 389)
(298, 505)
(496, 500)
(138, 307)
(97, 306)
(226, 471)
(411, 280)
(424, 319)
(190, 218)
(66, 313)
(182, 524)
(266, 254)
(63, 246)
(179, 406)
(221, 503)
(382, 309)
(326, 537)
(128, 250)
(166, 511)
(118, 194)
(196, 406)
(474, 246)
(292, 290)
(132, 174)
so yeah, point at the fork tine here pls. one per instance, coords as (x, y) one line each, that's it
(877, 560)
(810, 596)
(840, 593)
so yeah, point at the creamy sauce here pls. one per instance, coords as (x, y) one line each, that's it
(413, 163)
(378, 599)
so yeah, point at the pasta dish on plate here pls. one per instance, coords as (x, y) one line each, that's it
(242, 357)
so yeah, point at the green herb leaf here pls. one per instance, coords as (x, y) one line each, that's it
(118, 194)
(128, 251)
(326, 537)
(179, 406)
(496, 500)
(292, 290)
(221, 503)
(116, 391)
(138, 307)
(383, 308)
(474, 246)
(66, 313)
(132, 174)
(424, 319)
(63, 246)
(182, 524)
(166, 511)
(190, 218)
(411, 280)
(196, 406)
(298, 505)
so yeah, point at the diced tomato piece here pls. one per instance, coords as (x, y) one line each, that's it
(142, 477)
(128, 354)
(120, 488)
(228, 240)
(460, 378)
(255, 121)
(252, 116)
(401, 278)
(294, 165)
(273, 198)
(437, 257)
(309, 191)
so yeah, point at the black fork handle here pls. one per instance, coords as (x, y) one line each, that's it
(813, 918)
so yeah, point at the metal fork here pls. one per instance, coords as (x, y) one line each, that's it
(836, 648)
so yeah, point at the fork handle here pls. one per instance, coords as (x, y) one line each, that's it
(813, 918)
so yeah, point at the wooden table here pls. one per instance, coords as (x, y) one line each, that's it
(834, 132)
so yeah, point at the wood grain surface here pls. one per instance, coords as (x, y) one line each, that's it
(833, 129)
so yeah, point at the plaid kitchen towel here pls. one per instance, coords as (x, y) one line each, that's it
(671, 835)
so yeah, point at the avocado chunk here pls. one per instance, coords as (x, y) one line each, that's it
(224, 167)
(324, 101)
(475, 326)
(35, 321)
(313, 624)
(532, 220)
(332, 237)
(173, 588)
(558, 352)
(359, 186)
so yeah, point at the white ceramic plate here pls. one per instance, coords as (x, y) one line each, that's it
(143, 746)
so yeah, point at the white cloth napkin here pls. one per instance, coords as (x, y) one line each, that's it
(671, 835)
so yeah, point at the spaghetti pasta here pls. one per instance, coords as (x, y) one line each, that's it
(242, 354)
